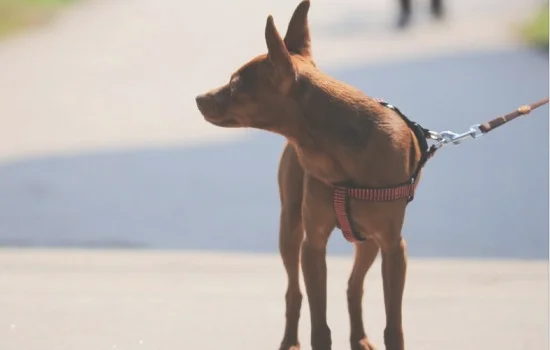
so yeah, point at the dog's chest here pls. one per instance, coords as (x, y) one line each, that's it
(322, 166)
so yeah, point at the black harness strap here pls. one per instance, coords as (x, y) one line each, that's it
(422, 135)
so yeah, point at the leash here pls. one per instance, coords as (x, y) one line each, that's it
(476, 131)
(342, 192)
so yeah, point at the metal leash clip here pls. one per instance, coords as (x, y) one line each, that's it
(447, 137)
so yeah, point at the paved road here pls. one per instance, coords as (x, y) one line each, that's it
(486, 198)
(151, 301)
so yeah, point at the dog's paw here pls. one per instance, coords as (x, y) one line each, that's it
(364, 344)
(289, 347)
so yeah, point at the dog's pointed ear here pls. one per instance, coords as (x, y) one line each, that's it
(297, 38)
(277, 51)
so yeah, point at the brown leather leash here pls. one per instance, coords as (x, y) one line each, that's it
(343, 192)
(523, 110)
(478, 130)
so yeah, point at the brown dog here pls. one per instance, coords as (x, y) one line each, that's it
(335, 135)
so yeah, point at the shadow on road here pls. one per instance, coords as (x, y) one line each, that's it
(486, 198)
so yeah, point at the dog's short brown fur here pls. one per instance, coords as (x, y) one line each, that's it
(335, 134)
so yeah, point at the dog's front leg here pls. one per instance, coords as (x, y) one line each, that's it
(319, 221)
(291, 235)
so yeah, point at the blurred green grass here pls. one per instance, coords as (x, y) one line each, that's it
(536, 30)
(18, 14)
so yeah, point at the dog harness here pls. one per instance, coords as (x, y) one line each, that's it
(342, 193)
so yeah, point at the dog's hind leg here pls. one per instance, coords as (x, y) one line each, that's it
(365, 254)
(394, 268)
(291, 235)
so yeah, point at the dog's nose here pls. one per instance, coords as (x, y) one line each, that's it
(200, 100)
(204, 103)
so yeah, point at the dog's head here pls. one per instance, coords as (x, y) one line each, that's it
(257, 93)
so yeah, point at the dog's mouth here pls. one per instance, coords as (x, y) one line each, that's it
(223, 122)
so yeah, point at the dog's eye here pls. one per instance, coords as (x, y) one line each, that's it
(235, 84)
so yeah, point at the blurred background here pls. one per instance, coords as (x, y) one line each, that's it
(101, 144)
(102, 147)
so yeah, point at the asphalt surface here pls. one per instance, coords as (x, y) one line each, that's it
(97, 300)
